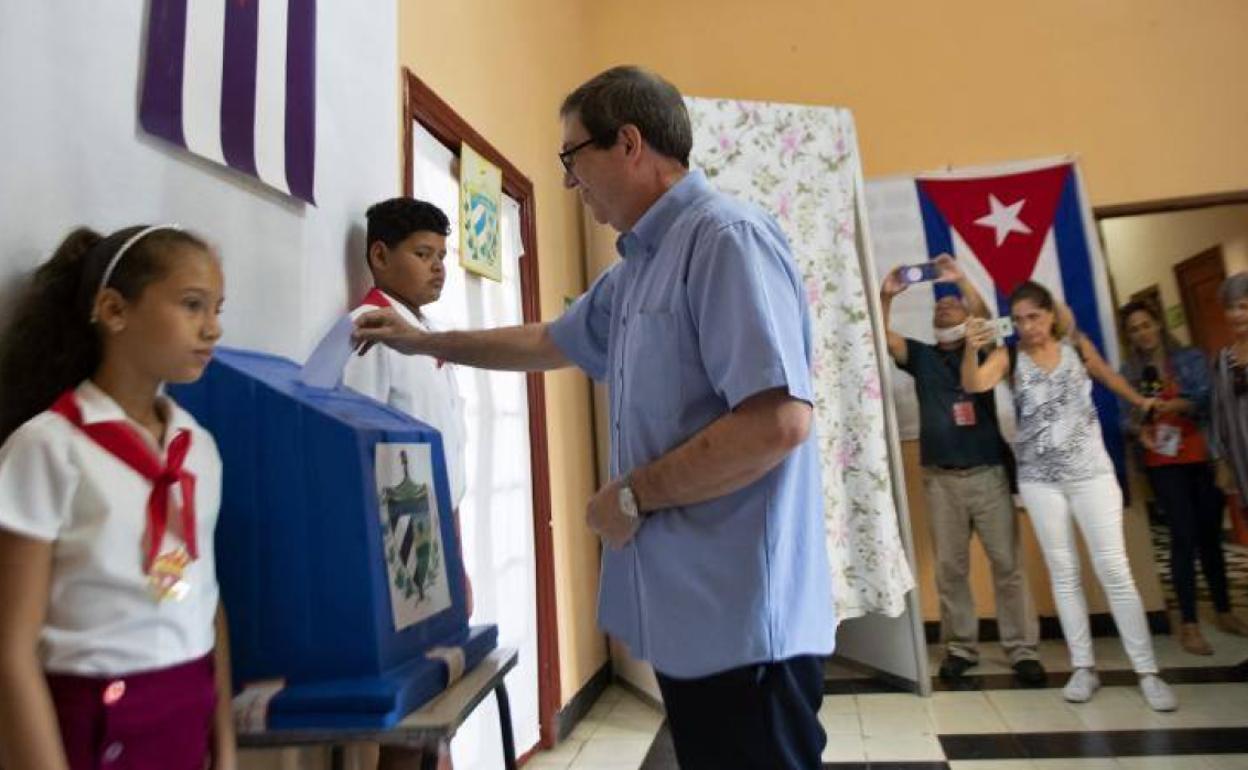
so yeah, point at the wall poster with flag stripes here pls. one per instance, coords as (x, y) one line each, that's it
(1005, 224)
(234, 81)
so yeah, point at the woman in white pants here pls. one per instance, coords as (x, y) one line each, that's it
(1066, 477)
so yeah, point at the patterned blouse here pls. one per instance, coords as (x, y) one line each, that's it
(1059, 435)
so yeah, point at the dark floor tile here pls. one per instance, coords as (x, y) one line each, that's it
(885, 766)
(1114, 743)
(1113, 678)
(994, 746)
(863, 686)
(1059, 745)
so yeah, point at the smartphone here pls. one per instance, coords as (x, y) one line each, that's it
(926, 271)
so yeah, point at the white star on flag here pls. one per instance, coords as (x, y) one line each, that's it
(1004, 219)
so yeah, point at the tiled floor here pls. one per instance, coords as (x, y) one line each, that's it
(1006, 728)
(616, 734)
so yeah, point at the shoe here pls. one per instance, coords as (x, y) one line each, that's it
(1192, 641)
(1157, 694)
(953, 667)
(1081, 686)
(1030, 673)
(1231, 624)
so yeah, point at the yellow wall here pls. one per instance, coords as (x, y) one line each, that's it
(1143, 250)
(1150, 93)
(505, 67)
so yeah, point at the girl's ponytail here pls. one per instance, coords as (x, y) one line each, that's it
(49, 345)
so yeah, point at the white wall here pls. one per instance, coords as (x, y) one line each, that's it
(73, 153)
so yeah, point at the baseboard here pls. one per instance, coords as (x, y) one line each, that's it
(576, 709)
(1102, 624)
(639, 694)
(872, 680)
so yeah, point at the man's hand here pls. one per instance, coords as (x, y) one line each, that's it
(385, 326)
(948, 270)
(604, 517)
(892, 284)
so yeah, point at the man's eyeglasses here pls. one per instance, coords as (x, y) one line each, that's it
(568, 156)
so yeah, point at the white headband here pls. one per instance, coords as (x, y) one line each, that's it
(112, 263)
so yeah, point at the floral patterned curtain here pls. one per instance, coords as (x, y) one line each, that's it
(801, 164)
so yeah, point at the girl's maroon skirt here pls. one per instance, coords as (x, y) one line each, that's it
(155, 720)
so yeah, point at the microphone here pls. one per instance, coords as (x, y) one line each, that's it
(1150, 382)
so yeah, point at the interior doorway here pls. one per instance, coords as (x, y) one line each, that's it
(1199, 279)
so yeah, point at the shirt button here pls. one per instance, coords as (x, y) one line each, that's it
(113, 752)
(115, 691)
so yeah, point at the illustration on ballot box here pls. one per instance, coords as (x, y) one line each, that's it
(336, 549)
(418, 583)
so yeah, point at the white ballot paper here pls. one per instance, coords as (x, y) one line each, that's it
(324, 367)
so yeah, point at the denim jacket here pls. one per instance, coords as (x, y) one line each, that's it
(1194, 385)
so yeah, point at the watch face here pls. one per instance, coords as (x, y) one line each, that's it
(628, 502)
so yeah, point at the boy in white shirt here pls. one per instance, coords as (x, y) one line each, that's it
(406, 251)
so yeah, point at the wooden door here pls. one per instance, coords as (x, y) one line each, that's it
(1199, 279)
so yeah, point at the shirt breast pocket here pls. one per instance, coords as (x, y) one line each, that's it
(652, 367)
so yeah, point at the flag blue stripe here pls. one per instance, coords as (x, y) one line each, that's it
(160, 110)
(938, 236)
(1079, 285)
(238, 86)
(301, 98)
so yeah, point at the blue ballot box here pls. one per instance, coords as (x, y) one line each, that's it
(336, 547)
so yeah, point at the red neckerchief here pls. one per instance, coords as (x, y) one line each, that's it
(377, 299)
(123, 441)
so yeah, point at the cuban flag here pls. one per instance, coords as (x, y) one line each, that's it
(234, 81)
(1004, 225)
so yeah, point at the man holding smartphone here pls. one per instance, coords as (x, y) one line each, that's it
(965, 478)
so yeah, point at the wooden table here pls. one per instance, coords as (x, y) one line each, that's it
(437, 721)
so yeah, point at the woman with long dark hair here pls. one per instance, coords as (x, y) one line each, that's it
(1176, 459)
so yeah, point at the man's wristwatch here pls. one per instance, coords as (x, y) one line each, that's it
(628, 501)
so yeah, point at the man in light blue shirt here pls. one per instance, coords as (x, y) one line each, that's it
(715, 569)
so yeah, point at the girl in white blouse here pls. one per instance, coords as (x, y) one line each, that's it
(111, 651)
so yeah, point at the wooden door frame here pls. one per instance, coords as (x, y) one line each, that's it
(421, 104)
(1115, 210)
